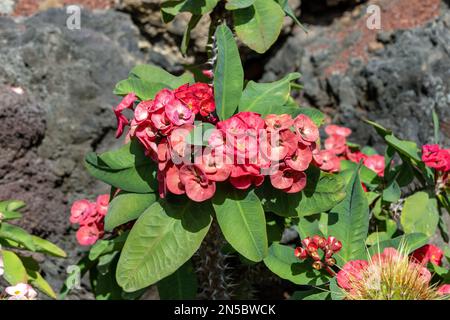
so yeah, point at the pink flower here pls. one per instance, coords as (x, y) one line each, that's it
(356, 156)
(161, 122)
(388, 254)
(444, 290)
(376, 163)
(79, 211)
(327, 160)
(102, 204)
(350, 273)
(428, 253)
(338, 130)
(197, 185)
(301, 159)
(173, 180)
(21, 291)
(126, 103)
(252, 120)
(232, 126)
(336, 143)
(147, 136)
(198, 97)
(283, 144)
(87, 235)
(243, 176)
(178, 113)
(288, 180)
(141, 112)
(277, 122)
(306, 129)
(436, 158)
(162, 99)
(215, 165)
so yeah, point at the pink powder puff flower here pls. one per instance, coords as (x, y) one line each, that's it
(444, 290)
(351, 272)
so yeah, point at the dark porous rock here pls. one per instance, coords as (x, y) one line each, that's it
(56, 105)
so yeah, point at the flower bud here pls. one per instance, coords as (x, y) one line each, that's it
(306, 241)
(330, 261)
(329, 253)
(317, 265)
(336, 246)
(312, 247)
(315, 255)
(320, 241)
(301, 253)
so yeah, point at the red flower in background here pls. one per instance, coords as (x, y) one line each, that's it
(435, 157)
(428, 253)
(444, 290)
(351, 272)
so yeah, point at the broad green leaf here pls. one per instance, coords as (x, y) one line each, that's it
(9, 215)
(313, 294)
(126, 168)
(312, 225)
(410, 242)
(242, 221)
(201, 133)
(143, 89)
(164, 237)
(11, 205)
(238, 4)
(193, 6)
(228, 73)
(17, 234)
(407, 148)
(267, 98)
(290, 13)
(103, 280)
(154, 74)
(13, 267)
(349, 221)
(181, 285)
(392, 192)
(35, 278)
(420, 214)
(195, 19)
(259, 25)
(367, 176)
(126, 207)
(382, 131)
(103, 247)
(337, 293)
(282, 261)
(45, 246)
(321, 194)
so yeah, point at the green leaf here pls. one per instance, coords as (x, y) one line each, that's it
(349, 221)
(238, 4)
(103, 247)
(411, 242)
(195, 19)
(35, 278)
(181, 285)
(242, 221)
(436, 126)
(312, 225)
(104, 284)
(17, 234)
(336, 292)
(382, 131)
(11, 205)
(143, 89)
(267, 98)
(14, 269)
(228, 74)
(164, 237)
(368, 176)
(420, 214)
(313, 294)
(126, 207)
(282, 261)
(193, 6)
(404, 147)
(392, 192)
(45, 246)
(9, 215)
(260, 25)
(201, 133)
(126, 168)
(154, 74)
(290, 13)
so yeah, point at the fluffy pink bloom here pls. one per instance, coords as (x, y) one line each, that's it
(306, 129)
(388, 254)
(376, 163)
(277, 122)
(428, 253)
(88, 235)
(197, 185)
(338, 130)
(351, 272)
(444, 289)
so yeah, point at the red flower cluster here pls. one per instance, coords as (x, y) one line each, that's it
(90, 216)
(310, 248)
(428, 253)
(435, 157)
(336, 145)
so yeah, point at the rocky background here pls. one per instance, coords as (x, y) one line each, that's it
(56, 85)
